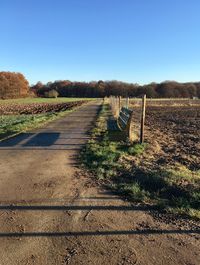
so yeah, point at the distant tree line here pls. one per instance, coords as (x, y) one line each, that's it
(13, 85)
(167, 89)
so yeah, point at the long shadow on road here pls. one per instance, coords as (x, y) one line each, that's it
(88, 233)
(99, 233)
(67, 133)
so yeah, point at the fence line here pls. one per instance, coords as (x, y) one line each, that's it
(138, 117)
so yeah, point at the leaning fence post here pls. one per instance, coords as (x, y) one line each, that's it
(142, 119)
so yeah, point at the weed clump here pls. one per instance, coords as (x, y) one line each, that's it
(137, 149)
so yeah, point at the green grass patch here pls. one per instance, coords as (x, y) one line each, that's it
(137, 149)
(102, 155)
(132, 191)
(41, 100)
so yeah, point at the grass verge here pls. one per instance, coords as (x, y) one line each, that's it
(119, 166)
(41, 100)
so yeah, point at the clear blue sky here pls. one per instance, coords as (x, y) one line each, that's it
(129, 40)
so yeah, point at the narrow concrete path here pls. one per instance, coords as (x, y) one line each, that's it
(52, 213)
(39, 168)
(41, 158)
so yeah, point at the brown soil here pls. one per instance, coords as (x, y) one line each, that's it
(37, 108)
(176, 133)
(53, 213)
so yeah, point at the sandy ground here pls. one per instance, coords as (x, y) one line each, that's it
(53, 213)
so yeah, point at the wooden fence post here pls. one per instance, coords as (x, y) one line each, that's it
(143, 119)
(119, 103)
(127, 102)
(117, 106)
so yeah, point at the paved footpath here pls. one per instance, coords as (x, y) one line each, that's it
(53, 213)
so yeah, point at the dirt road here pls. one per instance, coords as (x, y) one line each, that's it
(53, 213)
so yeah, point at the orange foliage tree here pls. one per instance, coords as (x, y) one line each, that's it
(13, 85)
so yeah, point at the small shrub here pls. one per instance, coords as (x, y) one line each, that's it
(51, 94)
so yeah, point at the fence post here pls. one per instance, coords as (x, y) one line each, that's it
(117, 106)
(127, 102)
(119, 103)
(143, 119)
